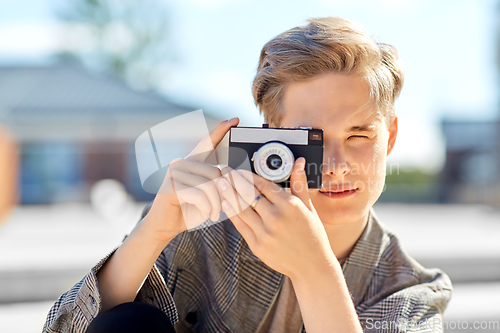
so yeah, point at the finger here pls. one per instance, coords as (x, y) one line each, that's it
(298, 182)
(273, 192)
(264, 209)
(243, 187)
(198, 168)
(228, 193)
(244, 212)
(207, 145)
(190, 195)
(243, 209)
(206, 186)
(176, 181)
(245, 230)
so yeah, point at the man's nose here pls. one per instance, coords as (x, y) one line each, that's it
(335, 160)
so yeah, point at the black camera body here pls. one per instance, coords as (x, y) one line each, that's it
(271, 152)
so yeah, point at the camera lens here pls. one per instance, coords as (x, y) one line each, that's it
(274, 162)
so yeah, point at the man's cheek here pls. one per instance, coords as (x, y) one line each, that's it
(376, 184)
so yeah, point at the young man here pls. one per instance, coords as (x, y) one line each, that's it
(297, 259)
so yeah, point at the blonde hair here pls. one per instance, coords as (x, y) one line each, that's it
(328, 44)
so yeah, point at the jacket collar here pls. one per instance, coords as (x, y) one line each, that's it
(364, 258)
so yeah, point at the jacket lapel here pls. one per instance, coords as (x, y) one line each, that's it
(364, 258)
(257, 285)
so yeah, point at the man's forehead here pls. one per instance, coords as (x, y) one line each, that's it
(356, 122)
(370, 119)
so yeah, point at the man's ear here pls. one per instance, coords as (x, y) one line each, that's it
(393, 133)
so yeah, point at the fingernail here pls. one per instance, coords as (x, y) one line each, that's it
(302, 165)
(222, 184)
(216, 218)
(232, 119)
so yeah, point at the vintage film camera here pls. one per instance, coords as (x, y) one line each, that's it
(271, 152)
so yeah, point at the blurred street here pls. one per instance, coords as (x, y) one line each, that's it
(44, 250)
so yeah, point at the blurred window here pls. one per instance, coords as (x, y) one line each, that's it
(477, 136)
(51, 172)
(479, 168)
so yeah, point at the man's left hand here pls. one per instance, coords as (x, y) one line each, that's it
(283, 229)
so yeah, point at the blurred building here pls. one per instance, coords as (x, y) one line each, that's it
(8, 173)
(75, 128)
(471, 173)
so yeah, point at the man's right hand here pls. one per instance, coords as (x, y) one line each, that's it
(187, 190)
(188, 195)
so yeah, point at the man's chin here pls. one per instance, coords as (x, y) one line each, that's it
(333, 211)
(340, 217)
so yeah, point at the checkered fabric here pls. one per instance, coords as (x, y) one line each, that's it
(208, 280)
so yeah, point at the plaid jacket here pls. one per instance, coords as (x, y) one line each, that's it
(208, 280)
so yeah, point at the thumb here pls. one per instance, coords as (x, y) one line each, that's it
(298, 183)
(208, 144)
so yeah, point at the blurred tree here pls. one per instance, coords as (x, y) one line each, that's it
(125, 37)
(410, 185)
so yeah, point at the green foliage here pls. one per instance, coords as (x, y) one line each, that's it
(410, 185)
(409, 176)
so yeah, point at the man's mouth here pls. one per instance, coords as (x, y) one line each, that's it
(338, 189)
(338, 192)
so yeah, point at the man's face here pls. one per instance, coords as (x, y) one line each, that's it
(351, 159)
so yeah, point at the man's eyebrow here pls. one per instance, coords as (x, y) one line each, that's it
(363, 128)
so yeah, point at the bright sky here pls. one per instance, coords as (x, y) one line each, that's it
(447, 48)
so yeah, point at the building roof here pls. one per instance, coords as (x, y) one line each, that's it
(65, 101)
